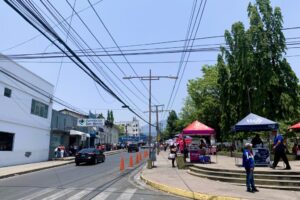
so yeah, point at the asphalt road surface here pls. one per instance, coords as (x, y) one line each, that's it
(103, 181)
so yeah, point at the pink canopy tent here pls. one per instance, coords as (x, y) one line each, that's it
(197, 128)
(295, 126)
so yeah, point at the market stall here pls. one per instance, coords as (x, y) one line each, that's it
(255, 123)
(200, 152)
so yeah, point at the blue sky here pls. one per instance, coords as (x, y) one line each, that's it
(134, 22)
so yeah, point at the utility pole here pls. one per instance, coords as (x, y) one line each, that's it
(150, 78)
(158, 133)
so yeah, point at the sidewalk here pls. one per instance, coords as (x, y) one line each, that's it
(179, 182)
(27, 168)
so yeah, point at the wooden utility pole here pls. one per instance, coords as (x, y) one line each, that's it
(150, 78)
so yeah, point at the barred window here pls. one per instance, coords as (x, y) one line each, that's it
(38, 108)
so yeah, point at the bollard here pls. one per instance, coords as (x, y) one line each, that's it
(149, 164)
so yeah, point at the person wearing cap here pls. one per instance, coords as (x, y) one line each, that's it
(248, 164)
(279, 150)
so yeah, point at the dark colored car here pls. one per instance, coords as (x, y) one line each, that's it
(89, 155)
(133, 147)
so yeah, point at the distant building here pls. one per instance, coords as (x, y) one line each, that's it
(131, 128)
(64, 131)
(25, 115)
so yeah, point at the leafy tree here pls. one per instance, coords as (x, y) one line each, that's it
(172, 126)
(100, 116)
(112, 116)
(255, 59)
(203, 102)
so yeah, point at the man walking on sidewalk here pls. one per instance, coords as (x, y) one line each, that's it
(279, 150)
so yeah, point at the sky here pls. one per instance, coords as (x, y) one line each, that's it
(132, 22)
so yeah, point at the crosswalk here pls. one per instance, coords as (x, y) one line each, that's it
(80, 194)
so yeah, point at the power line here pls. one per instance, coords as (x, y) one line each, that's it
(40, 25)
(115, 42)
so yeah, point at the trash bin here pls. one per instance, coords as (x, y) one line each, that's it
(180, 161)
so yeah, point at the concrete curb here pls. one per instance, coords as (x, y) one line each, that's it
(184, 193)
(53, 166)
(35, 170)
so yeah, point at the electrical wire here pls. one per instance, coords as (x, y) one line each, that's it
(45, 30)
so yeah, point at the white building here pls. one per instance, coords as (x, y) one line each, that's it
(131, 128)
(25, 115)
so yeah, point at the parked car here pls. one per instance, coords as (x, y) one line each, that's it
(133, 147)
(89, 155)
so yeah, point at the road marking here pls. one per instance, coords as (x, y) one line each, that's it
(103, 195)
(81, 194)
(127, 194)
(59, 194)
(36, 194)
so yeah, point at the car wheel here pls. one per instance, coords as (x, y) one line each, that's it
(77, 163)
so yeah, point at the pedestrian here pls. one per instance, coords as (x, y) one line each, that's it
(62, 151)
(248, 164)
(58, 152)
(256, 141)
(173, 153)
(279, 151)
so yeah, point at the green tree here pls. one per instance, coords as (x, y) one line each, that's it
(172, 125)
(112, 116)
(100, 116)
(203, 102)
(254, 58)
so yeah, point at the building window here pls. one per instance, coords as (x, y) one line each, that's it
(7, 92)
(6, 141)
(39, 108)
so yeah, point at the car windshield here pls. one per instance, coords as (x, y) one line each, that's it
(87, 151)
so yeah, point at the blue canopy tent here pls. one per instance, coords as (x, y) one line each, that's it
(253, 122)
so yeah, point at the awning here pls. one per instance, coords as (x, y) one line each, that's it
(253, 122)
(197, 128)
(295, 126)
(74, 132)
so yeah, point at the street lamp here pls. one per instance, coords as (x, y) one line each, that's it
(248, 92)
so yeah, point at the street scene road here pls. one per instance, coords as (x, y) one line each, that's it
(103, 181)
(149, 100)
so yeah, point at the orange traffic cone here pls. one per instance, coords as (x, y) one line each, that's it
(141, 157)
(137, 160)
(122, 164)
(145, 154)
(130, 161)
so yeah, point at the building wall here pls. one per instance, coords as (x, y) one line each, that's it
(133, 127)
(31, 132)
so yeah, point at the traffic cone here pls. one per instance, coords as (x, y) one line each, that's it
(137, 158)
(145, 154)
(141, 157)
(122, 164)
(130, 161)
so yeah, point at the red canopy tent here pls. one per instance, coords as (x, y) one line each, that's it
(197, 128)
(295, 126)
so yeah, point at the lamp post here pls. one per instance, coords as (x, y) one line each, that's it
(248, 92)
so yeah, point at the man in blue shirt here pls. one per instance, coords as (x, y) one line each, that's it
(248, 164)
(279, 150)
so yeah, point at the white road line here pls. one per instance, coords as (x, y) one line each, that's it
(37, 194)
(103, 195)
(81, 194)
(59, 194)
(127, 194)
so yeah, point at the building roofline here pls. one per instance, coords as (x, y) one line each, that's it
(11, 60)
